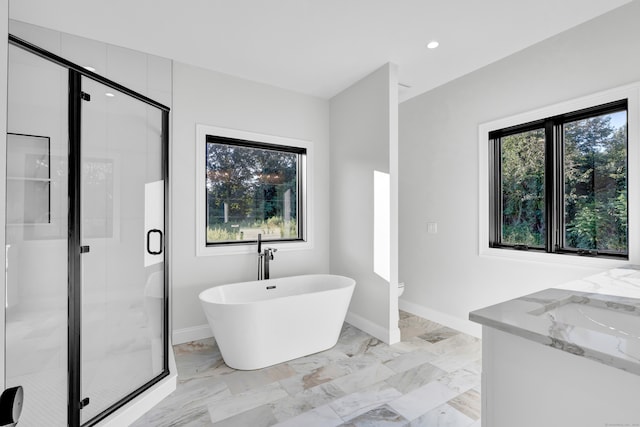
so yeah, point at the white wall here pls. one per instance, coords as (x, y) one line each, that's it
(444, 275)
(215, 99)
(364, 140)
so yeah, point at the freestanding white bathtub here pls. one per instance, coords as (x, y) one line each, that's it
(262, 323)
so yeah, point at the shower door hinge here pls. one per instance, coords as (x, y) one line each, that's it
(85, 96)
(84, 249)
(84, 402)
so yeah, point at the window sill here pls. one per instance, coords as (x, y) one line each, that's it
(249, 248)
(547, 258)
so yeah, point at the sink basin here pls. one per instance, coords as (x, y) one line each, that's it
(615, 319)
(603, 327)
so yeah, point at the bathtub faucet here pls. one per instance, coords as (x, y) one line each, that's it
(260, 257)
(263, 259)
(268, 256)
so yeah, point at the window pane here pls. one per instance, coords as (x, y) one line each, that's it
(251, 191)
(522, 167)
(595, 177)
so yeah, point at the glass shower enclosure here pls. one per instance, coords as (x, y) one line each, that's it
(86, 311)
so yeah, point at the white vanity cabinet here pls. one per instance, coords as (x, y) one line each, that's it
(564, 357)
(527, 384)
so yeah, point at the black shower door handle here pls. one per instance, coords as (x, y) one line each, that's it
(159, 251)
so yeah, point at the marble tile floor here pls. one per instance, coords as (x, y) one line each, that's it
(431, 378)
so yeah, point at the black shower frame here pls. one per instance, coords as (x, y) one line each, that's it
(76, 72)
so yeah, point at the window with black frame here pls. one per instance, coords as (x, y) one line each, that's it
(253, 188)
(559, 185)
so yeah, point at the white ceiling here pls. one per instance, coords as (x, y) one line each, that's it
(319, 47)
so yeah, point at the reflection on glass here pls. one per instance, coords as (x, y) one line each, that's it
(523, 220)
(595, 183)
(36, 237)
(97, 216)
(123, 294)
(28, 179)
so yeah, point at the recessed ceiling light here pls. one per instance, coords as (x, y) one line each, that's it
(90, 69)
(109, 94)
(433, 44)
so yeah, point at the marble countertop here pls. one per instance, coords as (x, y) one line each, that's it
(597, 317)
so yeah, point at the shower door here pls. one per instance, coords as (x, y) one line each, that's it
(122, 246)
(86, 314)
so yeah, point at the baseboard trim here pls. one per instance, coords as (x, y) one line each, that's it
(453, 322)
(365, 325)
(194, 333)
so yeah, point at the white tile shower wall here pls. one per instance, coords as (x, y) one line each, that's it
(33, 83)
(439, 156)
(150, 75)
(216, 99)
(147, 74)
(139, 71)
